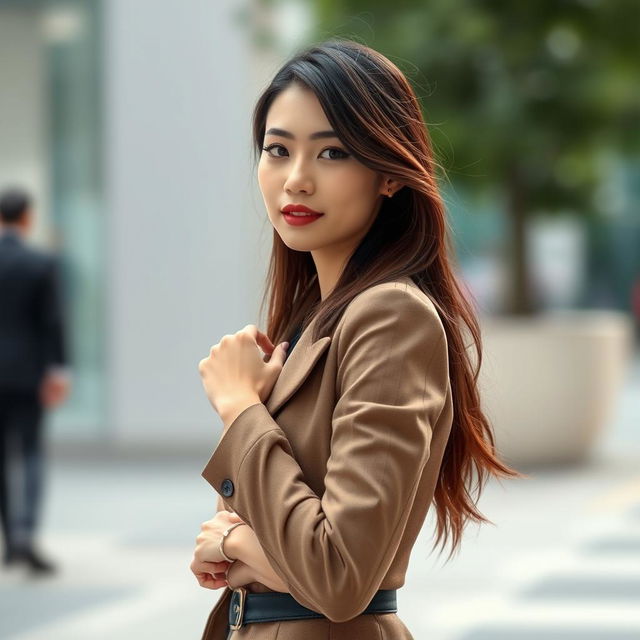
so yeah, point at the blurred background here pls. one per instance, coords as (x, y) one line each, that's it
(129, 122)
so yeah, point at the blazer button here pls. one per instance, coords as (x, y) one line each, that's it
(227, 488)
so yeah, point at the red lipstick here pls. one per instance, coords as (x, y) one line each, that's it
(298, 207)
(297, 220)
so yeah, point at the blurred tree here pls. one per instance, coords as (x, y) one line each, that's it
(525, 95)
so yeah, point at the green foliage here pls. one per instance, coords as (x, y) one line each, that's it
(542, 88)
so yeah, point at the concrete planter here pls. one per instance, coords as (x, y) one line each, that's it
(549, 383)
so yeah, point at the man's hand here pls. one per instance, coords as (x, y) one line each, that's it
(54, 389)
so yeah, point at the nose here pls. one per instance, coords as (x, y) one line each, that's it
(299, 179)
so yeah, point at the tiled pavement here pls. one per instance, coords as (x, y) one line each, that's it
(564, 564)
(562, 561)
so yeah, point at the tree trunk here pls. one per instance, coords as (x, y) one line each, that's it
(519, 295)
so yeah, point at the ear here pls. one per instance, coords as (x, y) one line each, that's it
(389, 186)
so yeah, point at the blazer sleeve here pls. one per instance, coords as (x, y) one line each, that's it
(51, 314)
(334, 550)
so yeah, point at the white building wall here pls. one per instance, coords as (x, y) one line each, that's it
(188, 238)
(23, 132)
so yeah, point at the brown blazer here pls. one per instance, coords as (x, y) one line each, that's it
(335, 473)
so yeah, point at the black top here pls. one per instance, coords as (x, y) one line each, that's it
(296, 337)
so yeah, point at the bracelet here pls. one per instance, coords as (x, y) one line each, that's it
(224, 535)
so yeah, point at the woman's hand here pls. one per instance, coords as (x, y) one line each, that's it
(208, 565)
(210, 575)
(240, 574)
(216, 575)
(235, 370)
(208, 540)
(245, 545)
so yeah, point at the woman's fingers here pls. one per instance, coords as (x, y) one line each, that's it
(210, 582)
(262, 339)
(234, 517)
(264, 343)
(210, 575)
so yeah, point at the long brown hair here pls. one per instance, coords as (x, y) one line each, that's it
(376, 115)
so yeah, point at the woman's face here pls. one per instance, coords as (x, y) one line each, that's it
(318, 173)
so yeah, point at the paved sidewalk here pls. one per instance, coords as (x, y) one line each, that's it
(562, 561)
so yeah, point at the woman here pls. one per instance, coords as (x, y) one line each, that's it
(330, 458)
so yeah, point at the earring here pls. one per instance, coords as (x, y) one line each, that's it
(389, 194)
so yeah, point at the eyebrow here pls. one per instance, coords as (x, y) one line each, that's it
(314, 136)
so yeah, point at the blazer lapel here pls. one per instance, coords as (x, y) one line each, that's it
(299, 364)
(296, 368)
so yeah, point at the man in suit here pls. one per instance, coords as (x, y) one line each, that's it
(33, 375)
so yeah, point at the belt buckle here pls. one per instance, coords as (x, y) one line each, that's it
(237, 607)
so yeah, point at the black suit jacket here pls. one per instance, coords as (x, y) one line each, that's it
(32, 336)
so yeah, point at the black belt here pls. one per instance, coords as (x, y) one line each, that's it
(246, 607)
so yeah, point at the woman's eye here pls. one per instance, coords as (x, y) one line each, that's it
(341, 154)
(271, 146)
